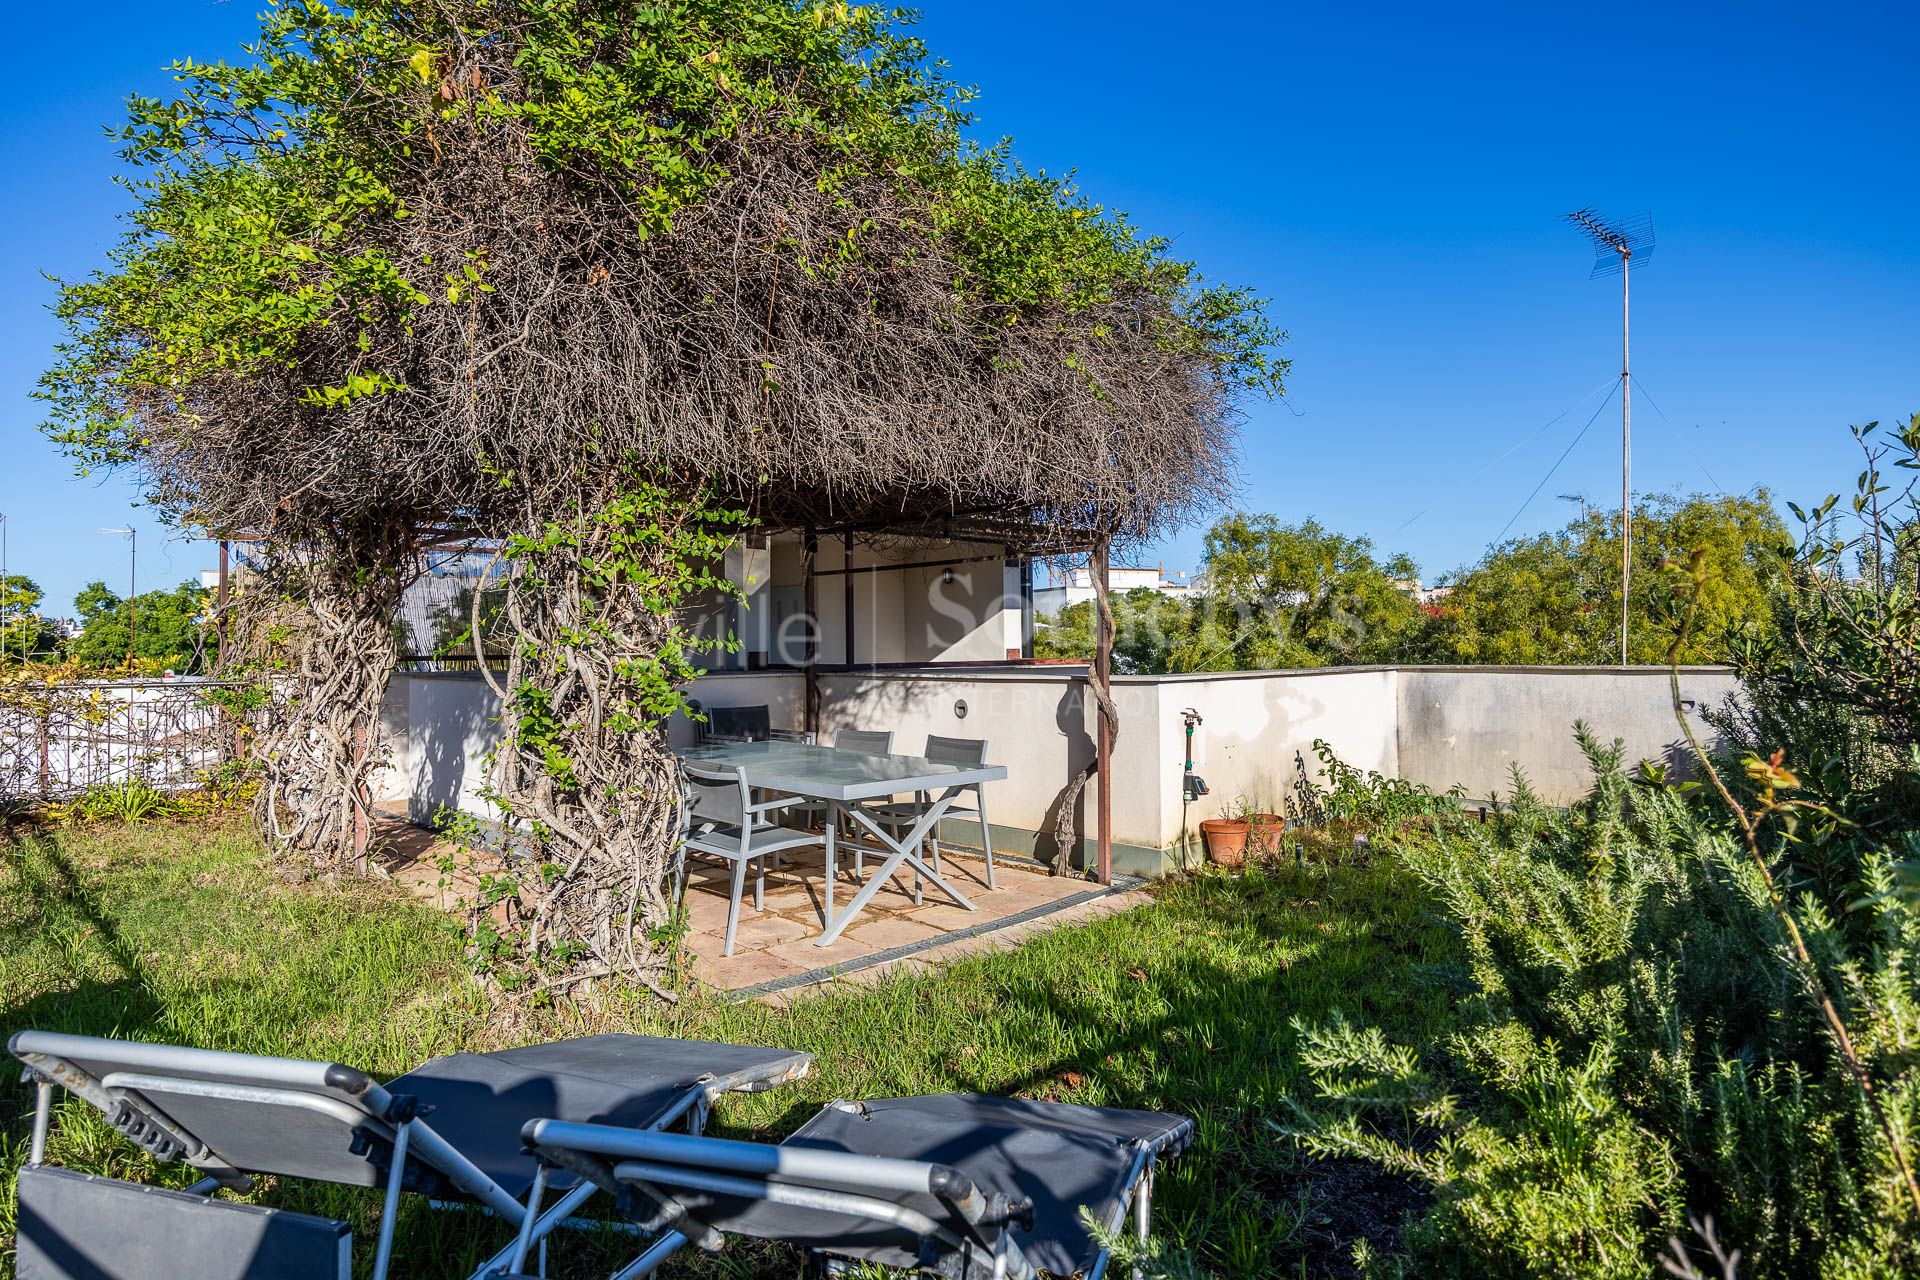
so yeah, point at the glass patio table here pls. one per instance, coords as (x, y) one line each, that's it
(841, 779)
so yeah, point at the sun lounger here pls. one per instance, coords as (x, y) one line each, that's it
(956, 1185)
(449, 1129)
(74, 1226)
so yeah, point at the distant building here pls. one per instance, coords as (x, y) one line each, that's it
(1078, 587)
(1424, 594)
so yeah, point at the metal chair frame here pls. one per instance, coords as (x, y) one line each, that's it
(746, 841)
(133, 1103)
(945, 750)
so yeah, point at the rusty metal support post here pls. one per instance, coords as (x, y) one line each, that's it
(810, 608)
(1102, 675)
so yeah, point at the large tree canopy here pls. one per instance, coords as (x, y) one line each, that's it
(1555, 597)
(1283, 595)
(600, 281)
(164, 630)
(411, 256)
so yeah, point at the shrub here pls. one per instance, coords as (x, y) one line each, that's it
(135, 800)
(1634, 1045)
(1366, 797)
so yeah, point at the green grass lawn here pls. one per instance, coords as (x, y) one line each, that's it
(181, 933)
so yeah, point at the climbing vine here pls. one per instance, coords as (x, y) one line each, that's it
(599, 655)
(313, 643)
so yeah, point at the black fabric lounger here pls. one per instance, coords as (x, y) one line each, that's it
(1061, 1156)
(451, 1125)
(73, 1226)
(961, 1186)
(481, 1100)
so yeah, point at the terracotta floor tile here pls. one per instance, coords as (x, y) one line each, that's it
(805, 953)
(762, 931)
(946, 917)
(745, 969)
(885, 932)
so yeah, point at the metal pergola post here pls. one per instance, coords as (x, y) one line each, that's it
(810, 607)
(220, 606)
(846, 597)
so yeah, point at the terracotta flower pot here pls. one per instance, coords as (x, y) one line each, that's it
(1226, 840)
(1265, 831)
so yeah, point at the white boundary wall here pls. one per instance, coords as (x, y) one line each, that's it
(1439, 726)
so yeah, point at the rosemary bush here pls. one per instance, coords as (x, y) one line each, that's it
(1635, 1045)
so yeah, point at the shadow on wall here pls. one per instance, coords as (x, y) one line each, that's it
(1037, 728)
(1256, 736)
(453, 722)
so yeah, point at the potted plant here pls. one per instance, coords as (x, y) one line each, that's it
(1226, 840)
(1265, 829)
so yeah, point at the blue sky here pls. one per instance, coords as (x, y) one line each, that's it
(1391, 177)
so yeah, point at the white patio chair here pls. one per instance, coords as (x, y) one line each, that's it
(725, 822)
(958, 751)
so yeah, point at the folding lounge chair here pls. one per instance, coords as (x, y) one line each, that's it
(960, 1186)
(449, 1129)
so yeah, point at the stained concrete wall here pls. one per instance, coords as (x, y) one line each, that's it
(1469, 726)
(1439, 726)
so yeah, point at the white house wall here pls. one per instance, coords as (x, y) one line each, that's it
(1440, 727)
(901, 615)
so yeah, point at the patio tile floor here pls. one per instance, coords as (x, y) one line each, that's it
(776, 945)
(788, 927)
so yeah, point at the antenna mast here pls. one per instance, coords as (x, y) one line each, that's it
(1617, 243)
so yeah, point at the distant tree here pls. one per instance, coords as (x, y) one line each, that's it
(24, 632)
(1555, 598)
(168, 628)
(1284, 595)
(1300, 595)
(1153, 634)
(1278, 595)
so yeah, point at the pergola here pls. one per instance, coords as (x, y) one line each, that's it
(1023, 540)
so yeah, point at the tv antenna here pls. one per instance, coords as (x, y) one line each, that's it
(1617, 245)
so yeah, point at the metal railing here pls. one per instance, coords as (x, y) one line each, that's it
(61, 740)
